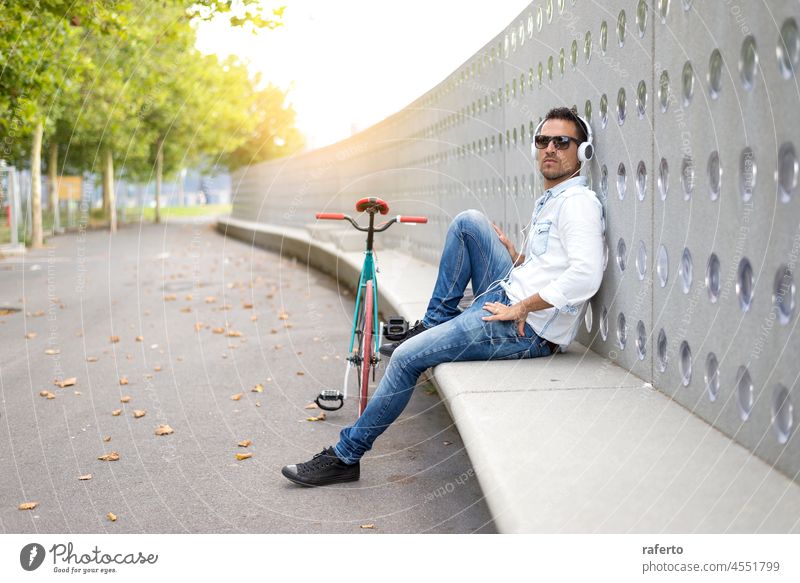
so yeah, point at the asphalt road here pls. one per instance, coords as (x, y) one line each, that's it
(201, 321)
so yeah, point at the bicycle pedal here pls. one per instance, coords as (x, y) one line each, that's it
(396, 328)
(329, 396)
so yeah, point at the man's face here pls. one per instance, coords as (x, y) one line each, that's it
(557, 164)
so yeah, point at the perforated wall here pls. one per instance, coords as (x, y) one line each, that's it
(695, 107)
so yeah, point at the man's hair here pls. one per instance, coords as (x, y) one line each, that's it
(569, 115)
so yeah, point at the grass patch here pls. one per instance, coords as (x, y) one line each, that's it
(149, 213)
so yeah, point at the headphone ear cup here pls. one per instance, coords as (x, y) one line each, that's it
(585, 152)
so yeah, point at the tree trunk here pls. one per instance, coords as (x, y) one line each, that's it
(159, 176)
(109, 202)
(36, 187)
(52, 169)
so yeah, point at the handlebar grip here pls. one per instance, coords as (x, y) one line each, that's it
(331, 216)
(403, 219)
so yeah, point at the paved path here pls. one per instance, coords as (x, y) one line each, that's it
(283, 326)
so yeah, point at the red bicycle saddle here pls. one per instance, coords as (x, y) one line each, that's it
(371, 202)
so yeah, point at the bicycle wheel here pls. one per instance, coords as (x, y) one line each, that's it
(366, 348)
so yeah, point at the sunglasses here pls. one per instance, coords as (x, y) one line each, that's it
(561, 142)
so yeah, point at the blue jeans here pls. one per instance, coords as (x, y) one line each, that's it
(472, 251)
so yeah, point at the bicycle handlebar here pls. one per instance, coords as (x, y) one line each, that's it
(403, 219)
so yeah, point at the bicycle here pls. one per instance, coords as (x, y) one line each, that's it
(365, 334)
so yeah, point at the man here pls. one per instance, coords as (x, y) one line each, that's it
(526, 305)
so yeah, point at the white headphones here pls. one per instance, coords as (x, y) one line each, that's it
(585, 149)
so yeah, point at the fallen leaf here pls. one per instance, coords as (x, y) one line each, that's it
(86, 477)
(186, 310)
(258, 403)
(30, 335)
(188, 297)
(283, 315)
(321, 417)
(47, 394)
(52, 351)
(140, 339)
(137, 413)
(125, 399)
(107, 438)
(28, 505)
(198, 326)
(116, 412)
(91, 359)
(273, 331)
(370, 526)
(211, 299)
(247, 306)
(170, 297)
(311, 406)
(245, 443)
(123, 380)
(114, 339)
(218, 330)
(237, 396)
(38, 313)
(254, 317)
(243, 456)
(259, 388)
(78, 393)
(164, 430)
(447, 443)
(157, 368)
(277, 347)
(300, 373)
(111, 516)
(234, 333)
(66, 382)
(109, 457)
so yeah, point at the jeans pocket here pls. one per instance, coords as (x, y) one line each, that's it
(541, 233)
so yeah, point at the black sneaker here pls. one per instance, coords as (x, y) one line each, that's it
(417, 328)
(322, 469)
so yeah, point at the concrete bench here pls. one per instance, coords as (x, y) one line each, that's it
(571, 443)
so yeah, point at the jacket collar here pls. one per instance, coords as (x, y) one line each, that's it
(562, 186)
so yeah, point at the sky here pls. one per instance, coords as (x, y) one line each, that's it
(351, 63)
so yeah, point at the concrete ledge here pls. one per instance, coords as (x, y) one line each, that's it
(571, 443)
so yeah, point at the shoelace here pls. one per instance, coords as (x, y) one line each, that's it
(319, 461)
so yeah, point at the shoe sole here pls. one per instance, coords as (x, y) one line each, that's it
(299, 482)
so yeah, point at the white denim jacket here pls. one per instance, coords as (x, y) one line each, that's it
(563, 259)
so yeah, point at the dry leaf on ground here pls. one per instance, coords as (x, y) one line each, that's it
(66, 382)
(47, 394)
(321, 417)
(218, 330)
(114, 339)
(300, 373)
(86, 477)
(198, 326)
(28, 505)
(123, 380)
(52, 351)
(125, 399)
(234, 333)
(186, 310)
(237, 396)
(107, 438)
(245, 443)
(91, 359)
(138, 413)
(211, 299)
(283, 315)
(30, 335)
(116, 412)
(243, 456)
(311, 406)
(140, 339)
(109, 457)
(164, 430)
(157, 368)
(247, 306)
(259, 388)
(111, 516)
(170, 297)
(370, 525)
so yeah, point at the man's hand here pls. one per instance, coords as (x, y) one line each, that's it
(502, 312)
(508, 245)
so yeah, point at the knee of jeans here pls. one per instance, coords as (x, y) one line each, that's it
(468, 218)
